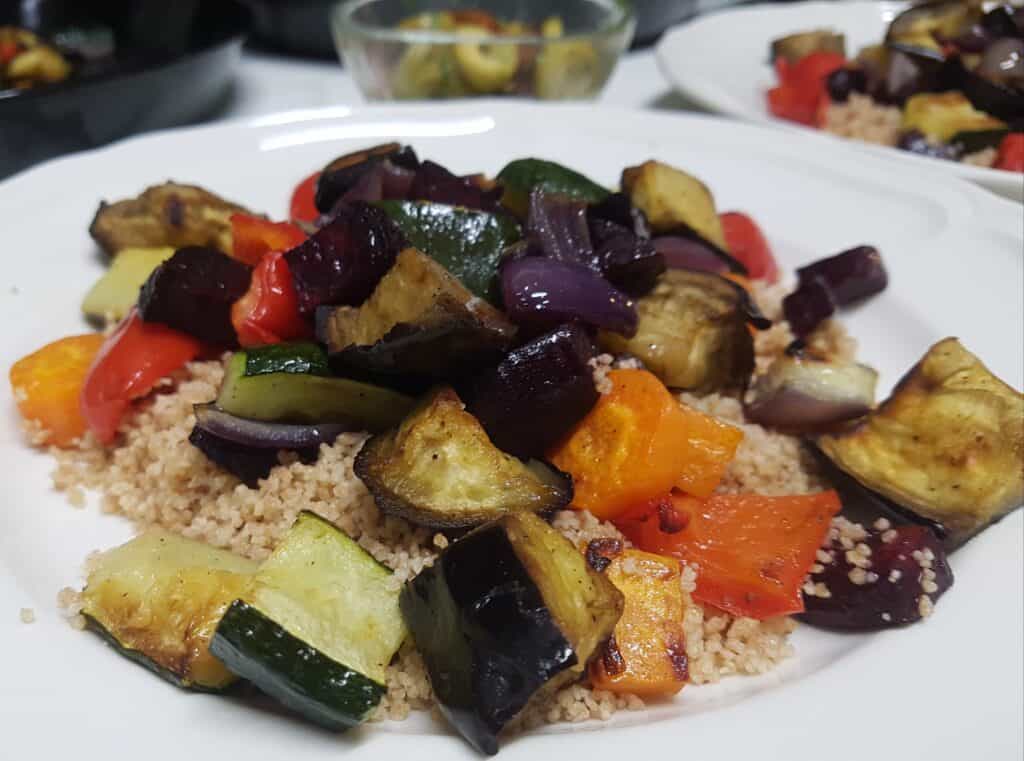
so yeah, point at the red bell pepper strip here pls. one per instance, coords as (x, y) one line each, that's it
(252, 238)
(747, 243)
(752, 552)
(132, 360)
(1011, 153)
(801, 95)
(268, 313)
(303, 207)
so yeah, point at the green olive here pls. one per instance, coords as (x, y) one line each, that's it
(486, 66)
(570, 69)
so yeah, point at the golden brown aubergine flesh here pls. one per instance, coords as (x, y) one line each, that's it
(793, 47)
(165, 215)
(947, 446)
(419, 322)
(439, 469)
(693, 332)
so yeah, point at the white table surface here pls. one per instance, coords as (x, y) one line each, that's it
(268, 83)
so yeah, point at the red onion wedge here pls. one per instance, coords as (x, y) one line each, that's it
(262, 435)
(851, 275)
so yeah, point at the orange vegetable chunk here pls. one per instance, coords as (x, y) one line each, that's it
(47, 383)
(646, 655)
(638, 442)
(752, 552)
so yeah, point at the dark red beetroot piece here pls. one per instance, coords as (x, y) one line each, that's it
(808, 306)
(851, 275)
(627, 260)
(341, 263)
(193, 292)
(537, 393)
(906, 563)
(387, 168)
(435, 183)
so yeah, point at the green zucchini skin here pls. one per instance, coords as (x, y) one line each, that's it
(487, 638)
(299, 358)
(466, 242)
(978, 140)
(521, 176)
(294, 673)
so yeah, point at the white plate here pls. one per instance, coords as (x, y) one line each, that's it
(720, 61)
(949, 688)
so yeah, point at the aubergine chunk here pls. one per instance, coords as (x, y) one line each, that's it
(171, 215)
(509, 610)
(193, 292)
(692, 332)
(439, 469)
(420, 322)
(946, 447)
(538, 392)
(672, 200)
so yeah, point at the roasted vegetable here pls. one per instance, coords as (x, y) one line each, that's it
(157, 600)
(638, 442)
(439, 469)
(972, 141)
(537, 393)
(117, 290)
(47, 386)
(804, 393)
(673, 199)
(748, 245)
(193, 292)
(946, 446)
(301, 358)
(923, 24)
(292, 397)
(793, 47)
(165, 215)
(317, 627)
(753, 551)
(342, 262)
(646, 655)
(432, 182)
(466, 242)
(809, 305)
(522, 176)
(692, 332)
(419, 322)
(345, 172)
(997, 98)
(505, 612)
(939, 116)
(268, 312)
(252, 238)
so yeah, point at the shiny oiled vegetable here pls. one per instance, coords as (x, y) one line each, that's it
(638, 442)
(117, 291)
(672, 199)
(946, 446)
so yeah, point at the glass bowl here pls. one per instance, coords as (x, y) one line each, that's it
(424, 49)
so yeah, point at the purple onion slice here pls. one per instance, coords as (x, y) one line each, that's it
(559, 225)
(850, 275)
(686, 253)
(258, 434)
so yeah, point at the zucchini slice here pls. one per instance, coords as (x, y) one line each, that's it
(508, 610)
(116, 292)
(521, 176)
(288, 396)
(420, 322)
(317, 628)
(157, 600)
(439, 469)
(303, 358)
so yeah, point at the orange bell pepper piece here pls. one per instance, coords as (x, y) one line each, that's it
(47, 384)
(638, 442)
(252, 238)
(752, 552)
(646, 654)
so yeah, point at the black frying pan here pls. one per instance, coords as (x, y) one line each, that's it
(171, 63)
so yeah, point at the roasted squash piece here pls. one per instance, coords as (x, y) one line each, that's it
(165, 215)
(420, 321)
(673, 199)
(439, 469)
(692, 332)
(940, 116)
(947, 446)
(505, 612)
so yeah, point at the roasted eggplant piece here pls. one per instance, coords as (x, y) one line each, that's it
(165, 215)
(194, 291)
(999, 99)
(977, 140)
(439, 469)
(345, 172)
(508, 611)
(793, 47)
(672, 199)
(922, 25)
(692, 332)
(804, 393)
(419, 322)
(947, 446)
(940, 116)
(537, 393)
(342, 262)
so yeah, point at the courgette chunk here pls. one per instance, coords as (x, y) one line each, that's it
(521, 176)
(420, 322)
(505, 612)
(947, 446)
(692, 332)
(157, 600)
(439, 469)
(117, 290)
(317, 628)
(287, 396)
(673, 200)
